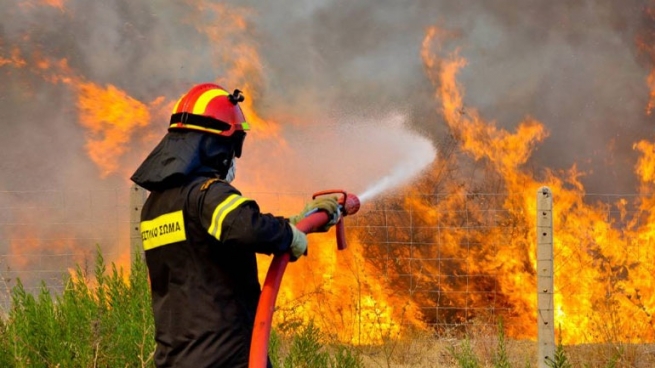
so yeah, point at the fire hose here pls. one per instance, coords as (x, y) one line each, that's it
(348, 205)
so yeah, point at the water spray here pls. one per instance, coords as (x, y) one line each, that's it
(401, 173)
(313, 222)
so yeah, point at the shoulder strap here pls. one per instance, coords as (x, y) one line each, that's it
(196, 197)
(208, 183)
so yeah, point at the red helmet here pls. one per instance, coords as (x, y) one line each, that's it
(210, 108)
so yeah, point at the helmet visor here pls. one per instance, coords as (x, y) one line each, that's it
(239, 137)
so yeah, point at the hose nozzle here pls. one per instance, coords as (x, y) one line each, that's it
(349, 204)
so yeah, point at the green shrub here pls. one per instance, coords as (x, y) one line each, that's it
(105, 320)
(501, 358)
(307, 348)
(464, 355)
(109, 324)
(560, 360)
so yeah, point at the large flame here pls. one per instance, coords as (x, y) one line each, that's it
(110, 116)
(602, 292)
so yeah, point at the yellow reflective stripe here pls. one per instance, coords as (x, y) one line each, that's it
(165, 229)
(222, 210)
(178, 104)
(245, 126)
(195, 127)
(204, 99)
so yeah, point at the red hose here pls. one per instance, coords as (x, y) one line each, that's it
(266, 307)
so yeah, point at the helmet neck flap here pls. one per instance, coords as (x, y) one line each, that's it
(185, 155)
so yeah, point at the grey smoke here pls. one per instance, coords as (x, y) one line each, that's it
(573, 66)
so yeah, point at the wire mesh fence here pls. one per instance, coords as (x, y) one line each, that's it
(460, 260)
(45, 234)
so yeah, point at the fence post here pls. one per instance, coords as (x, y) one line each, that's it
(545, 285)
(137, 198)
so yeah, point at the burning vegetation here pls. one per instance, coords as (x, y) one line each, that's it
(453, 246)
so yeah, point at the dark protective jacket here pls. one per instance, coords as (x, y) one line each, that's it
(200, 240)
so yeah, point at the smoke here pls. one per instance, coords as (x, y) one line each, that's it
(410, 153)
(573, 66)
(359, 154)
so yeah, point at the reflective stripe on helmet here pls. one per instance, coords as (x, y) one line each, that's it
(194, 127)
(178, 125)
(221, 211)
(205, 98)
(177, 104)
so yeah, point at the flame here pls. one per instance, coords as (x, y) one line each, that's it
(342, 293)
(602, 292)
(238, 57)
(48, 249)
(110, 116)
(59, 4)
(55, 3)
(14, 60)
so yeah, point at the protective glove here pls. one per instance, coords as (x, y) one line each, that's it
(327, 204)
(298, 244)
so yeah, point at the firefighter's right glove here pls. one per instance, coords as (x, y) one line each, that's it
(298, 244)
(327, 204)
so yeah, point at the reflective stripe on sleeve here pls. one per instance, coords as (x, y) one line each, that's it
(165, 229)
(222, 210)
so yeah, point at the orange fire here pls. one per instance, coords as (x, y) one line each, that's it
(46, 248)
(110, 116)
(239, 59)
(14, 59)
(601, 271)
(59, 4)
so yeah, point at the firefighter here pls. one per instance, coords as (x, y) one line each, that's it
(200, 234)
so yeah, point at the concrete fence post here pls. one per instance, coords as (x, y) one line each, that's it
(545, 285)
(137, 198)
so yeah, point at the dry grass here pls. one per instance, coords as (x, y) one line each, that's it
(435, 352)
(612, 355)
(426, 351)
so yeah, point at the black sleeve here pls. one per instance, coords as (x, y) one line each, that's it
(236, 221)
(247, 227)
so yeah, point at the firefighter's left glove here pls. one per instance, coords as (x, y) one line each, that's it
(327, 204)
(298, 244)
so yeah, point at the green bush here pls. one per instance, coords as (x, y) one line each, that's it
(307, 349)
(464, 355)
(109, 324)
(105, 320)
